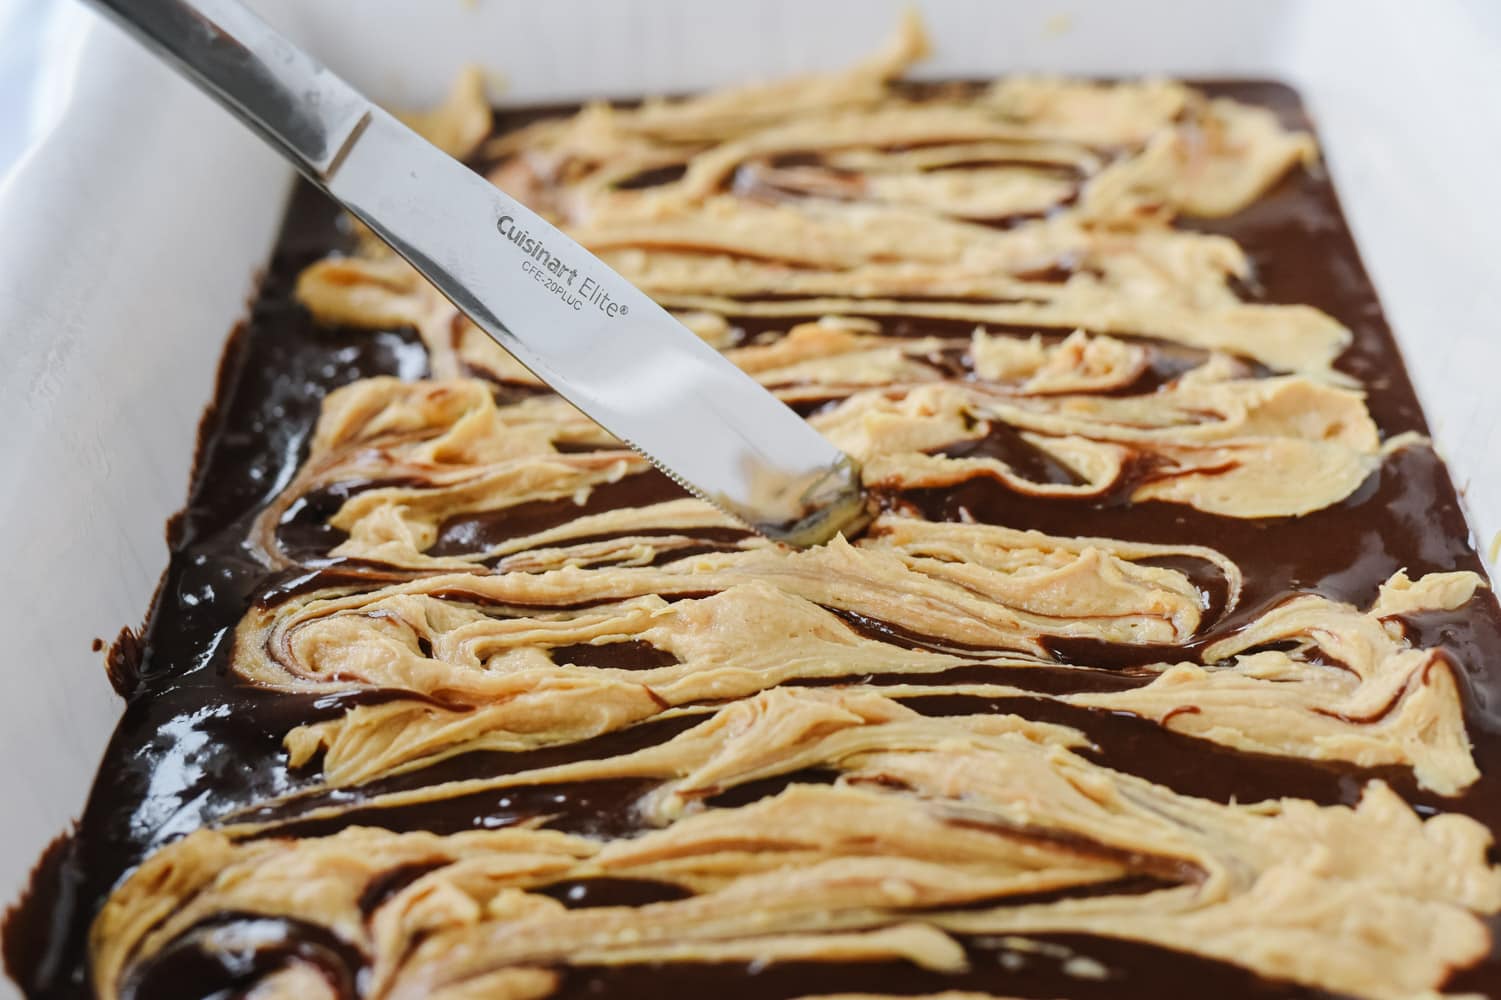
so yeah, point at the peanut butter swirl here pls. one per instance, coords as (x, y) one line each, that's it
(886, 749)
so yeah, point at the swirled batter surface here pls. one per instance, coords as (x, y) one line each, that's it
(1168, 664)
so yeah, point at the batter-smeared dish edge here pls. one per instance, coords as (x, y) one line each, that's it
(565, 730)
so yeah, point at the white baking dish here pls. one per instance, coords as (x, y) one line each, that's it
(130, 238)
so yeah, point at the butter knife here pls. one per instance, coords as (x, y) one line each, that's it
(597, 340)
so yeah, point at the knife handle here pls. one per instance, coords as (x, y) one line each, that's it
(257, 74)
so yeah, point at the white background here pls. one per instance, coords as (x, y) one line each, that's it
(134, 215)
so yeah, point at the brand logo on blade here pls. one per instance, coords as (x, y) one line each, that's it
(552, 272)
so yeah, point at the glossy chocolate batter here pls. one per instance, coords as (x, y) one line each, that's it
(196, 743)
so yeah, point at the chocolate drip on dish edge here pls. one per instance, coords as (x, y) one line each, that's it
(194, 745)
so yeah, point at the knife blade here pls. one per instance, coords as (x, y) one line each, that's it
(587, 332)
